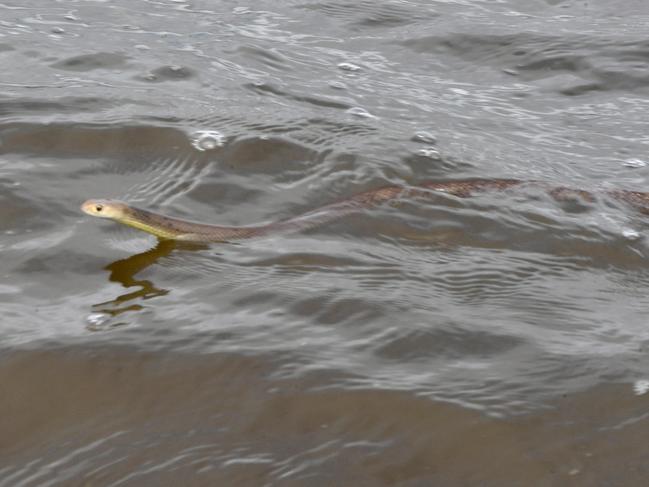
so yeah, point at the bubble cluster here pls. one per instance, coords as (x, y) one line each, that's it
(430, 152)
(337, 85)
(641, 387)
(97, 321)
(204, 140)
(349, 67)
(360, 112)
(424, 137)
(630, 234)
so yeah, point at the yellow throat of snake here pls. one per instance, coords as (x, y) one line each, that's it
(127, 215)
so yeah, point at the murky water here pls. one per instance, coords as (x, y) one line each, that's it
(497, 340)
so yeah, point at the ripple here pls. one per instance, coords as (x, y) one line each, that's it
(601, 63)
(441, 344)
(91, 62)
(169, 73)
(266, 57)
(70, 104)
(635, 163)
(368, 14)
(319, 101)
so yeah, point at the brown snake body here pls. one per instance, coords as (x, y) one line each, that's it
(167, 227)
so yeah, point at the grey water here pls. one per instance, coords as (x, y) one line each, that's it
(495, 340)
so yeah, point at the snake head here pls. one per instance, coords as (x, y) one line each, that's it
(105, 208)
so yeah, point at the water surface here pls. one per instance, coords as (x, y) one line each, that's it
(497, 340)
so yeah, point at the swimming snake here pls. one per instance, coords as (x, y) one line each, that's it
(169, 228)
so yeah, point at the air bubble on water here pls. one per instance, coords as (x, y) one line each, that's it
(97, 321)
(641, 387)
(360, 112)
(635, 163)
(630, 234)
(207, 140)
(425, 137)
(337, 85)
(349, 67)
(430, 152)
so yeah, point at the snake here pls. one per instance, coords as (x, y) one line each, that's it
(170, 228)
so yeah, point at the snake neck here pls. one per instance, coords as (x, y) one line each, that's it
(149, 222)
(166, 227)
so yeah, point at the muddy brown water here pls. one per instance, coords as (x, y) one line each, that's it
(498, 340)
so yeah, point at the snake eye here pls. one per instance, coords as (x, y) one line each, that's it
(99, 207)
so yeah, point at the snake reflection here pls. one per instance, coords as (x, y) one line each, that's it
(123, 271)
